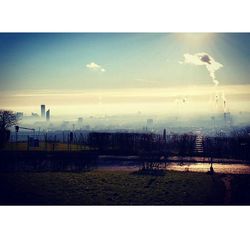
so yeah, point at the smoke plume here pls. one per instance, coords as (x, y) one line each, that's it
(224, 102)
(205, 59)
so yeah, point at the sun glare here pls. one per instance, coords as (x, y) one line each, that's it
(194, 39)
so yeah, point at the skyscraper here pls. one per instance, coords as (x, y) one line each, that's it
(48, 115)
(43, 111)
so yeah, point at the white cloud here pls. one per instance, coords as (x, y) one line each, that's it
(205, 59)
(95, 67)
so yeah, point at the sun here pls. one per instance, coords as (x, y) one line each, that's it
(194, 39)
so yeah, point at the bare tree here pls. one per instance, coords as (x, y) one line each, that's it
(7, 119)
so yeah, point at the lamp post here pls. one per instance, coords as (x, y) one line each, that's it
(17, 129)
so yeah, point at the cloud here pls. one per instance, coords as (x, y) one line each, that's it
(205, 59)
(95, 67)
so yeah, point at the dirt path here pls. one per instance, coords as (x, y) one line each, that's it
(227, 180)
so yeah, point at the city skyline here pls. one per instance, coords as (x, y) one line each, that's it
(124, 72)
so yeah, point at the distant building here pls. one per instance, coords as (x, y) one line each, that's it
(150, 122)
(65, 125)
(19, 115)
(164, 135)
(43, 111)
(48, 115)
(34, 115)
(80, 120)
(227, 119)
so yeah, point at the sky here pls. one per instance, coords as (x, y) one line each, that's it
(124, 72)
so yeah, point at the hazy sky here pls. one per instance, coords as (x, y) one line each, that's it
(77, 69)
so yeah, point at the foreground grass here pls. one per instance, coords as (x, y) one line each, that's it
(110, 188)
(22, 146)
(240, 190)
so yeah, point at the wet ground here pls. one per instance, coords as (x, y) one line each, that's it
(218, 168)
(226, 168)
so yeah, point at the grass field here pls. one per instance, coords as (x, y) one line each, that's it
(110, 188)
(240, 189)
(22, 146)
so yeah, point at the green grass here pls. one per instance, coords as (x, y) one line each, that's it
(110, 188)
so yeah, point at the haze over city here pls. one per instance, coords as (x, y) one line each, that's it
(125, 118)
(74, 74)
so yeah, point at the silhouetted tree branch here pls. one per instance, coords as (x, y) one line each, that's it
(7, 119)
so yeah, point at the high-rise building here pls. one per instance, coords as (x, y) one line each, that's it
(164, 135)
(48, 115)
(43, 111)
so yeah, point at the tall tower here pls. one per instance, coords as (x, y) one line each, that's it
(48, 115)
(164, 135)
(43, 111)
